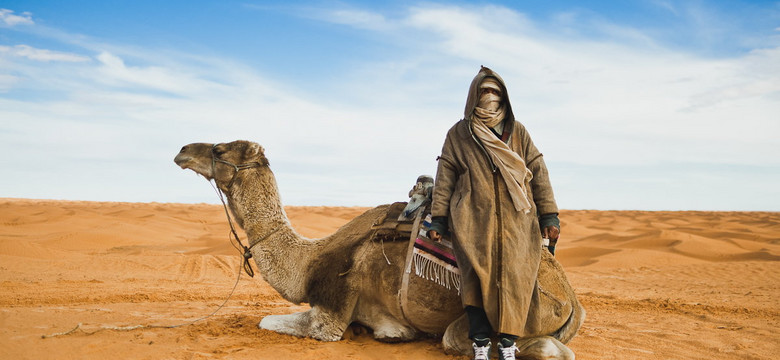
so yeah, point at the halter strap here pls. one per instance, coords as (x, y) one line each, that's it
(245, 251)
(239, 167)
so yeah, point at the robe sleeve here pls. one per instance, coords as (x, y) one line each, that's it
(446, 178)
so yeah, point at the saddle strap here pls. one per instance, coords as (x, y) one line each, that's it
(403, 293)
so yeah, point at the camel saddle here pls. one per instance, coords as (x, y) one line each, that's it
(431, 260)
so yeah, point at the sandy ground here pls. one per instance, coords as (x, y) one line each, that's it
(656, 285)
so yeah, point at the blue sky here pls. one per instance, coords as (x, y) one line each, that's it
(654, 105)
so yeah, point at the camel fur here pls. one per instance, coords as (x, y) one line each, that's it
(353, 276)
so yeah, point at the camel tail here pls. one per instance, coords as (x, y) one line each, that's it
(570, 328)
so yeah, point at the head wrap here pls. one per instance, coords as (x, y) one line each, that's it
(490, 107)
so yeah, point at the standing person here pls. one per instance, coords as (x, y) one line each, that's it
(493, 192)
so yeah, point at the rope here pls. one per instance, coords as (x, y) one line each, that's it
(135, 327)
(61, 333)
(383, 252)
(245, 252)
(245, 255)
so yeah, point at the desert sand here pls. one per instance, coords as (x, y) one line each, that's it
(656, 285)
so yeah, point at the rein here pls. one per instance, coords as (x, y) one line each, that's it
(245, 251)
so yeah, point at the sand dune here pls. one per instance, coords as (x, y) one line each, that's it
(677, 285)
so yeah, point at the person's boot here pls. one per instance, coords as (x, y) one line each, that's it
(481, 349)
(506, 349)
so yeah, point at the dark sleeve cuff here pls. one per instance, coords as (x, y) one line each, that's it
(546, 220)
(440, 224)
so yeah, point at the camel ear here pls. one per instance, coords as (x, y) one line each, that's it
(255, 151)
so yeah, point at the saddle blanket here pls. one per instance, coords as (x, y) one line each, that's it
(435, 260)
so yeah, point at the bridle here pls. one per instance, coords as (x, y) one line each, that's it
(215, 160)
(245, 251)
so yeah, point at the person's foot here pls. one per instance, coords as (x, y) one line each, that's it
(481, 349)
(506, 349)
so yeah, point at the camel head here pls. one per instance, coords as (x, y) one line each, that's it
(221, 162)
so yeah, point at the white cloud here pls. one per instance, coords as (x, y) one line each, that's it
(8, 18)
(32, 53)
(115, 72)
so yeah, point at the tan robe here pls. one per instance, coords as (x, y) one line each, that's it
(498, 247)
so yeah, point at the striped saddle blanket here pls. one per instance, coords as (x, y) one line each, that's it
(435, 260)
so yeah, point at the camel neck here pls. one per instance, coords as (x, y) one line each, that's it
(255, 202)
(280, 253)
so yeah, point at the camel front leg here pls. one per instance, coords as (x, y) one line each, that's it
(314, 323)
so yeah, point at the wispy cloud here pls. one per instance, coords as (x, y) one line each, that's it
(358, 18)
(8, 18)
(666, 5)
(113, 71)
(342, 14)
(32, 53)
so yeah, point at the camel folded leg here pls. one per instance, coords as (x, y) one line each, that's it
(388, 329)
(456, 338)
(315, 323)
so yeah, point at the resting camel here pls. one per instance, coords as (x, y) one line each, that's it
(351, 276)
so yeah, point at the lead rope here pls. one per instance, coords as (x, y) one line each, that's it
(245, 252)
(135, 327)
(246, 255)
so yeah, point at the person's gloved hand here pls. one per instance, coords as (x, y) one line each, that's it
(551, 232)
(438, 228)
(551, 229)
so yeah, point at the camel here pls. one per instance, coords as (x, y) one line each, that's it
(351, 276)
